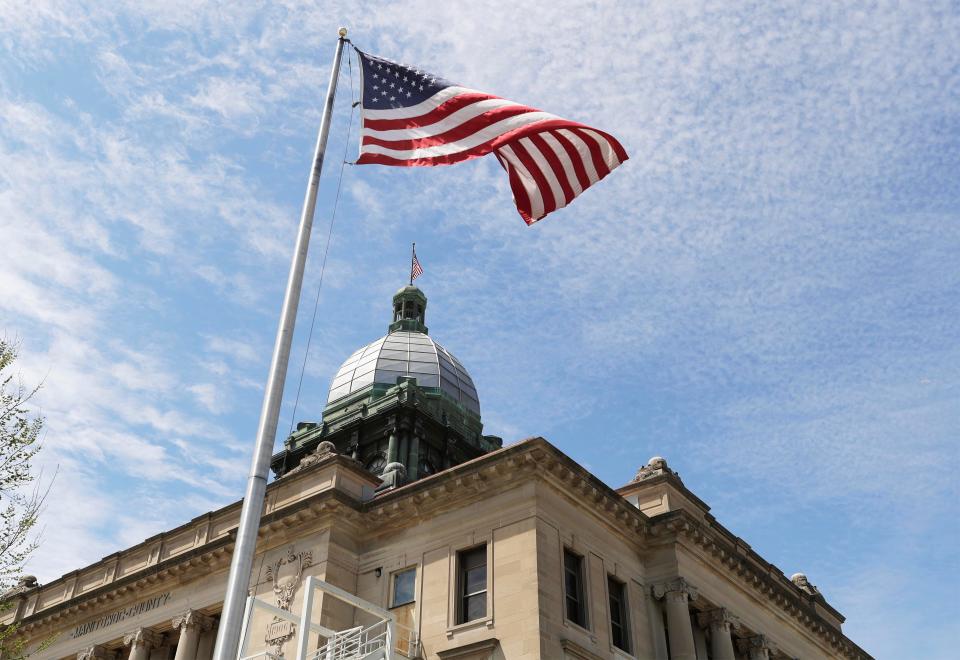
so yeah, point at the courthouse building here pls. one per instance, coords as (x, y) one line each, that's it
(397, 502)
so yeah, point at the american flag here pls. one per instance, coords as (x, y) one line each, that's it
(413, 118)
(416, 270)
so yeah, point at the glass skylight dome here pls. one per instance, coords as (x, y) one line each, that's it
(408, 354)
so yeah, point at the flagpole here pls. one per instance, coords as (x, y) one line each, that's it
(413, 255)
(238, 583)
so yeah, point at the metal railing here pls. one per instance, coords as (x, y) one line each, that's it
(384, 639)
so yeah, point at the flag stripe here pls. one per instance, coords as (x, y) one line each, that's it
(526, 180)
(583, 181)
(557, 169)
(583, 156)
(454, 133)
(546, 194)
(520, 196)
(478, 138)
(547, 171)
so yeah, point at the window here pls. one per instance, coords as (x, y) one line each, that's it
(618, 614)
(472, 584)
(404, 587)
(573, 588)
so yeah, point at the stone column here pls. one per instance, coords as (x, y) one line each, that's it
(94, 653)
(190, 624)
(757, 647)
(413, 468)
(720, 622)
(140, 642)
(392, 446)
(676, 595)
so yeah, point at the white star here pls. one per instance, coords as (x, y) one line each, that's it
(421, 88)
(383, 93)
(408, 94)
(379, 66)
(404, 79)
(391, 85)
(393, 98)
(396, 73)
(376, 86)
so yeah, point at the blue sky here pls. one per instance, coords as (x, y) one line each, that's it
(766, 294)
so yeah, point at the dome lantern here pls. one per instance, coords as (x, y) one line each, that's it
(409, 310)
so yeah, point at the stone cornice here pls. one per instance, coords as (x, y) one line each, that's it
(755, 573)
(517, 463)
(213, 555)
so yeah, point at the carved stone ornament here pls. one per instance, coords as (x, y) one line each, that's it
(655, 466)
(142, 637)
(801, 581)
(96, 652)
(192, 619)
(757, 647)
(285, 573)
(719, 619)
(676, 588)
(324, 449)
(24, 584)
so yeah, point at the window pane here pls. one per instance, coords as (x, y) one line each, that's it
(475, 607)
(618, 614)
(472, 584)
(403, 587)
(573, 588)
(476, 580)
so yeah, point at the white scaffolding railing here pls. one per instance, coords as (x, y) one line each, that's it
(376, 641)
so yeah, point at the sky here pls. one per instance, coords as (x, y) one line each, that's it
(767, 293)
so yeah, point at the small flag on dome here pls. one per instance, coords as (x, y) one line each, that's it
(416, 270)
(413, 118)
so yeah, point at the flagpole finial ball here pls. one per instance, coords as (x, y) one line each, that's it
(342, 32)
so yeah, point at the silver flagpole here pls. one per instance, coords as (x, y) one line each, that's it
(231, 619)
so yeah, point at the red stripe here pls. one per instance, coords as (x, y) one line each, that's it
(617, 147)
(599, 164)
(473, 152)
(575, 158)
(464, 130)
(555, 165)
(446, 108)
(549, 204)
(520, 197)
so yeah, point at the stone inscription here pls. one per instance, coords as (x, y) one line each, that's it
(279, 632)
(121, 615)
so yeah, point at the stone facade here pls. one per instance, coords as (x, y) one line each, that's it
(687, 588)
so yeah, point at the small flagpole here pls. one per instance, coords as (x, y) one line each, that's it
(413, 258)
(238, 583)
